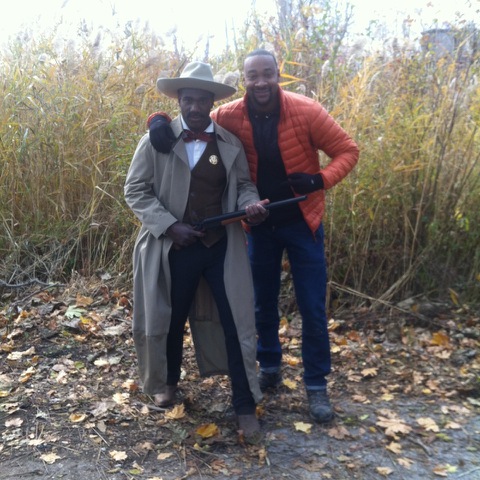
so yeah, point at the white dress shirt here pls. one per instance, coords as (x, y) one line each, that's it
(196, 148)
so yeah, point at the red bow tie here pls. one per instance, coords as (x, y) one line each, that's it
(190, 136)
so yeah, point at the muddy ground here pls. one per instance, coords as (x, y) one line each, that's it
(405, 388)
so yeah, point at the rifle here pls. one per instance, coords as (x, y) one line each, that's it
(226, 218)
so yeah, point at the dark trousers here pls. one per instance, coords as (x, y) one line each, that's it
(309, 273)
(187, 266)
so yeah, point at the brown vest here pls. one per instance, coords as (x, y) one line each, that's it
(207, 184)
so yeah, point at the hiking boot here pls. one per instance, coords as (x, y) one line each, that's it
(249, 428)
(320, 409)
(166, 398)
(269, 380)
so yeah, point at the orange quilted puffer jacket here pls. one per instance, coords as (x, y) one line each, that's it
(304, 128)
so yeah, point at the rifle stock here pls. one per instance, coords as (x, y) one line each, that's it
(231, 217)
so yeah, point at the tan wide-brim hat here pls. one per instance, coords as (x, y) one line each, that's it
(195, 75)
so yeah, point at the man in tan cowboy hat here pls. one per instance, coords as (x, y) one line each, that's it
(181, 271)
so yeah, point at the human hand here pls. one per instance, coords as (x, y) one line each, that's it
(160, 133)
(183, 234)
(256, 212)
(303, 183)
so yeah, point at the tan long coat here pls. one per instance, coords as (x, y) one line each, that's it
(156, 189)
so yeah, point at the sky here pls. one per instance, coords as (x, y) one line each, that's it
(194, 20)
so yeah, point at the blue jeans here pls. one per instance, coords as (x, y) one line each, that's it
(306, 256)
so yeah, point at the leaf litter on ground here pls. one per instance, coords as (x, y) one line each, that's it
(69, 391)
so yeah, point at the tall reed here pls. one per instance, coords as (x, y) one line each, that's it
(405, 222)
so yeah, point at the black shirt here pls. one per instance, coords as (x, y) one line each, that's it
(272, 180)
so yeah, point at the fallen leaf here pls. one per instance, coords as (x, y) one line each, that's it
(333, 325)
(120, 398)
(14, 422)
(393, 426)
(370, 372)
(20, 355)
(77, 417)
(87, 324)
(441, 339)
(428, 424)
(284, 322)
(22, 316)
(26, 375)
(262, 456)
(353, 336)
(208, 430)
(115, 331)
(454, 297)
(291, 384)
(474, 402)
(352, 377)
(102, 407)
(101, 426)
(176, 412)
(405, 462)
(339, 432)
(62, 377)
(453, 426)
(135, 471)
(360, 399)
(164, 456)
(117, 455)
(74, 312)
(432, 385)
(82, 301)
(101, 362)
(130, 385)
(387, 397)
(50, 457)
(303, 427)
(291, 360)
(144, 447)
(440, 471)
(460, 409)
(385, 471)
(395, 447)
(35, 442)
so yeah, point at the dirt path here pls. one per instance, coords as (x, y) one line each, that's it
(407, 401)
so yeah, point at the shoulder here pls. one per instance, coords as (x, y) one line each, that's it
(295, 105)
(144, 143)
(226, 135)
(298, 100)
(228, 108)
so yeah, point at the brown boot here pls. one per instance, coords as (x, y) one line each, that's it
(249, 427)
(166, 398)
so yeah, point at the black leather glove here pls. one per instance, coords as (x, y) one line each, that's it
(161, 134)
(303, 183)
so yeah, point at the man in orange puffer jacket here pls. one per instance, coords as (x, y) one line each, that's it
(282, 133)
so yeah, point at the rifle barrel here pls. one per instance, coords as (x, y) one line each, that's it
(241, 214)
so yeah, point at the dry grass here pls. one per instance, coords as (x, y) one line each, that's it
(405, 222)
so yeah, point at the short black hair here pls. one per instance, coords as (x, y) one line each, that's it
(261, 51)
